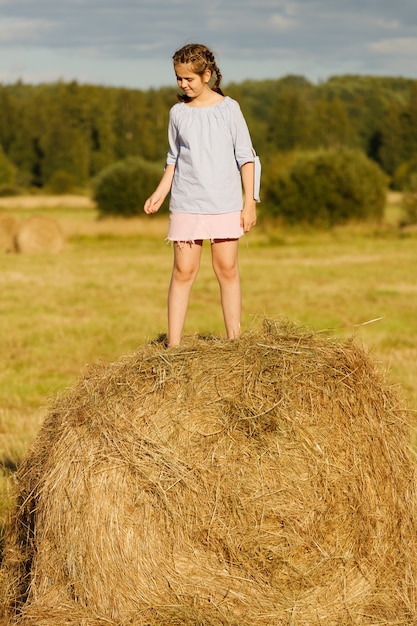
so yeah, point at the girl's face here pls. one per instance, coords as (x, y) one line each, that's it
(193, 85)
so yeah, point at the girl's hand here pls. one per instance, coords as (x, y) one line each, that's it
(153, 203)
(248, 216)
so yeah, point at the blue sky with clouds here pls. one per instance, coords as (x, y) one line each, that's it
(131, 42)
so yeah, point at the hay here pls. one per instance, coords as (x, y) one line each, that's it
(39, 234)
(257, 482)
(8, 227)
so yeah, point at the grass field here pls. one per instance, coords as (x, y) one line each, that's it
(105, 295)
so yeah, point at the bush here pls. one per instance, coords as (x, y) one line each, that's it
(9, 191)
(328, 187)
(122, 188)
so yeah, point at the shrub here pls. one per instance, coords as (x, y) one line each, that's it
(328, 187)
(8, 191)
(122, 188)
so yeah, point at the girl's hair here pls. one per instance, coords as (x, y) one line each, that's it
(201, 59)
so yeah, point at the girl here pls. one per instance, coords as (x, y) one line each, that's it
(210, 156)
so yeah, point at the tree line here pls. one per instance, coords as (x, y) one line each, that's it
(62, 135)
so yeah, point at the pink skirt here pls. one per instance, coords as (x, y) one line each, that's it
(193, 226)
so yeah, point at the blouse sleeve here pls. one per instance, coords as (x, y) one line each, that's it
(244, 151)
(173, 139)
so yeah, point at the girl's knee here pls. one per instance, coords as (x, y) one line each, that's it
(184, 275)
(185, 270)
(226, 271)
(225, 259)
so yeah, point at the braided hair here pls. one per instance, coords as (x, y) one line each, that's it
(201, 59)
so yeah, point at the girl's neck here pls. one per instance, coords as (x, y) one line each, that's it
(207, 98)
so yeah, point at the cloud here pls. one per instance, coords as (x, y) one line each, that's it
(23, 30)
(132, 40)
(397, 46)
(387, 24)
(281, 22)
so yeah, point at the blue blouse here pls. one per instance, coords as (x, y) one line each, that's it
(208, 146)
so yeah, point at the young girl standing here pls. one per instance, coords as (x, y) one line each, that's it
(210, 157)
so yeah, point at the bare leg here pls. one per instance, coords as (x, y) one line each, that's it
(225, 264)
(185, 269)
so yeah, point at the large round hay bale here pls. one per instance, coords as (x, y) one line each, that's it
(263, 481)
(39, 233)
(8, 227)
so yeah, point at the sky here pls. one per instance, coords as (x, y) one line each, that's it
(130, 43)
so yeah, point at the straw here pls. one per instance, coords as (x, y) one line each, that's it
(263, 481)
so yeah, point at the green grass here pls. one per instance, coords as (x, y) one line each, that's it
(105, 295)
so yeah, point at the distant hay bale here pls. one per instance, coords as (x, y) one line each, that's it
(263, 481)
(39, 234)
(8, 227)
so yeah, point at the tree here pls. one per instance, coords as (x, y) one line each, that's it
(289, 127)
(409, 124)
(330, 125)
(389, 148)
(7, 170)
(26, 150)
(8, 118)
(51, 129)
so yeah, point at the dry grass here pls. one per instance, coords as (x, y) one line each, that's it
(263, 481)
(77, 217)
(38, 202)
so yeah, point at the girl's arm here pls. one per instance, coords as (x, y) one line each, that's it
(248, 215)
(153, 203)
